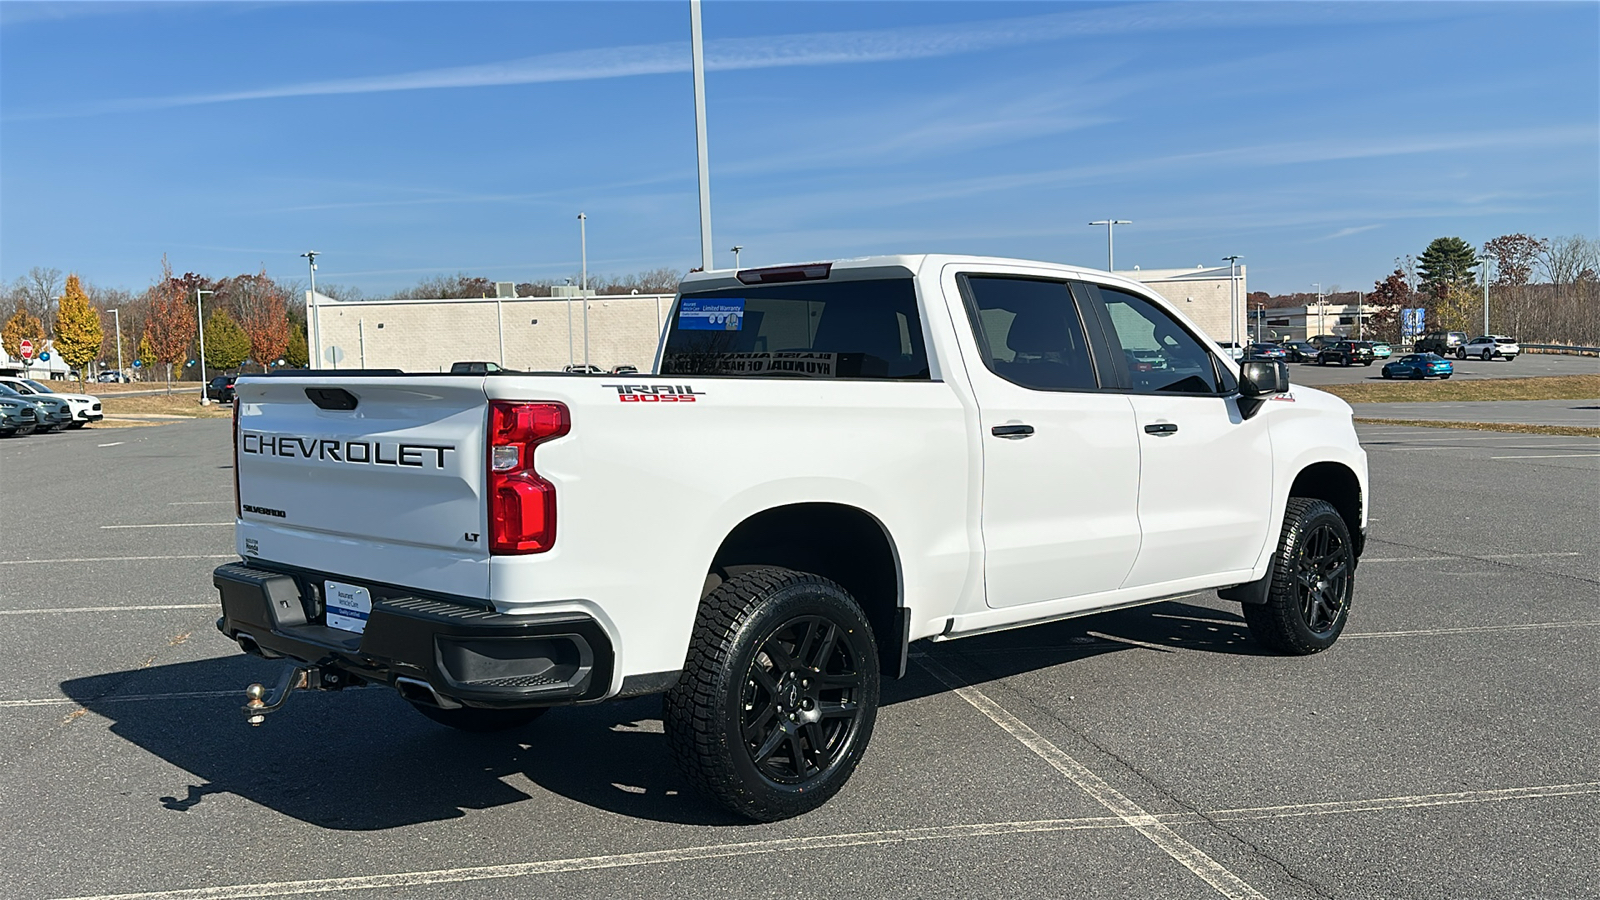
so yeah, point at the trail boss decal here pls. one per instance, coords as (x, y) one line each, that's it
(655, 393)
(361, 453)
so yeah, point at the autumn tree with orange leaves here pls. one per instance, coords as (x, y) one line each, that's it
(263, 313)
(172, 319)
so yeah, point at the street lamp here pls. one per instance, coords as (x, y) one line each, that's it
(1321, 324)
(310, 257)
(1485, 273)
(698, 65)
(735, 252)
(1110, 224)
(1233, 298)
(583, 285)
(116, 316)
(200, 317)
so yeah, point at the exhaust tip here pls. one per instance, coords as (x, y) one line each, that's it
(418, 691)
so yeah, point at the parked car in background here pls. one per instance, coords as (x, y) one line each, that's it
(1419, 365)
(1346, 353)
(1322, 340)
(624, 370)
(221, 388)
(18, 418)
(84, 408)
(1265, 351)
(54, 413)
(582, 369)
(475, 368)
(1440, 342)
(1490, 346)
(1300, 351)
(1381, 350)
(112, 378)
(1234, 351)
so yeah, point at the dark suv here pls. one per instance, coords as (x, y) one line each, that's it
(220, 388)
(1346, 353)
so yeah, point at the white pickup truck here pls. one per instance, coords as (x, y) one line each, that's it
(828, 462)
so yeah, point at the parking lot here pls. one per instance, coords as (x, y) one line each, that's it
(1444, 748)
(1525, 366)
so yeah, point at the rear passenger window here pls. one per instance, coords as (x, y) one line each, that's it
(844, 329)
(1029, 332)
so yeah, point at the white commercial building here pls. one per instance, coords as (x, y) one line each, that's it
(549, 333)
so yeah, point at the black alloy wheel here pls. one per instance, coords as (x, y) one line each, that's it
(778, 696)
(1312, 582)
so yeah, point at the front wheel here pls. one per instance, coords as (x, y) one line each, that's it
(1313, 581)
(481, 721)
(778, 695)
(1461, 354)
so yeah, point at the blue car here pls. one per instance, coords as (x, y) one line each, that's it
(1266, 351)
(1419, 365)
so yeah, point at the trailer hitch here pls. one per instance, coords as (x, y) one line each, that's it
(294, 678)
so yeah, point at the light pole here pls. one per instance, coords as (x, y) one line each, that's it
(311, 311)
(583, 285)
(1110, 224)
(1320, 322)
(699, 66)
(735, 252)
(200, 318)
(1233, 298)
(1485, 273)
(116, 316)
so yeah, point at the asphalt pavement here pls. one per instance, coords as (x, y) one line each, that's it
(1444, 748)
(1573, 413)
(1527, 365)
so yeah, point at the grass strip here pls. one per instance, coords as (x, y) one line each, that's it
(1544, 387)
(164, 404)
(1513, 427)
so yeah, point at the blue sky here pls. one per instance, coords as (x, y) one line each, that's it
(403, 140)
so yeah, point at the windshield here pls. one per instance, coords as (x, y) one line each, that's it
(844, 329)
(38, 387)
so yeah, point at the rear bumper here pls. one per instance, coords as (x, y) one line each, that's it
(466, 654)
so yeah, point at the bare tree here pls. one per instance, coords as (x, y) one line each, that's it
(1565, 259)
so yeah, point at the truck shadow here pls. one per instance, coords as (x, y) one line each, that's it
(363, 760)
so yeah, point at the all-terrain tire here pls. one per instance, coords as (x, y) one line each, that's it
(1313, 580)
(778, 695)
(481, 721)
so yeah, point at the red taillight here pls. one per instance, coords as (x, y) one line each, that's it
(238, 512)
(522, 506)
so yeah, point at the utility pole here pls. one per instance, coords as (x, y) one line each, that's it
(311, 311)
(1320, 322)
(1485, 273)
(1233, 298)
(699, 66)
(200, 320)
(583, 284)
(1110, 224)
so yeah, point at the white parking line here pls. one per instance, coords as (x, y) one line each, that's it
(1390, 559)
(199, 502)
(835, 841)
(127, 698)
(1186, 854)
(1473, 629)
(112, 444)
(1554, 456)
(90, 559)
(173, 525)
(76, 609)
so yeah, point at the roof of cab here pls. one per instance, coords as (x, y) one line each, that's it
(719, 279)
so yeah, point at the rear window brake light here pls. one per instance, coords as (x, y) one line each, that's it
(781, 274)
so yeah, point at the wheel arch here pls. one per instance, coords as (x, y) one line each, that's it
(842, 543)
(1336, 483)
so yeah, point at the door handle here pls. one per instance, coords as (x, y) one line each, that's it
(1161, 428)
(1011, 431)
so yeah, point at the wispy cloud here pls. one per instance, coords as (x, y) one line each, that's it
(1346, 232)
(775, 51)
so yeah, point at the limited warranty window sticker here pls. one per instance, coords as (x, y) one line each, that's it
(725, 314)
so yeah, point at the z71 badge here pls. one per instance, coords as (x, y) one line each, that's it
(655, 393)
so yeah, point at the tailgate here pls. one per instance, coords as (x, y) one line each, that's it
(379, 478)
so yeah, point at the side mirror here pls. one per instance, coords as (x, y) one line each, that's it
(1257, 379)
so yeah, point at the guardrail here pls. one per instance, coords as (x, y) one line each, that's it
(1563, 348)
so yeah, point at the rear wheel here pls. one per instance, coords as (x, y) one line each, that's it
(1418, 375)
(1313, 580)
(778, 695)
(1487, 355)
(481, 721)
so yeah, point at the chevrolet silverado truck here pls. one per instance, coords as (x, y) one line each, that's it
(826, 463)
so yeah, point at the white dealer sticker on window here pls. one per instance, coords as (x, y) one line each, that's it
(348, 606)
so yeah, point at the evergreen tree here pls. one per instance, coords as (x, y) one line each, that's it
(297, 354)
(1447, 261)
(227, 346)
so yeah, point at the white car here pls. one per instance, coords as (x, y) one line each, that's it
(827, 462)
(85, 408)
(1490, 346)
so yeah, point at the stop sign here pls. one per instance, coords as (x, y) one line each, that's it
(27, 349)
